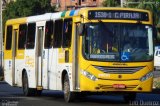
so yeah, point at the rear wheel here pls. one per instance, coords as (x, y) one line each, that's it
(129, 97)
(26, 90)
(68, 95)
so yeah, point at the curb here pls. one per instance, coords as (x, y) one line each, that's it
(3, 82)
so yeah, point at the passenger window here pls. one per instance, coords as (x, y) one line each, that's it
(58, 34)
(9, 38)
(48, 35)
(22, 36)
(67, 33)
(31, 36)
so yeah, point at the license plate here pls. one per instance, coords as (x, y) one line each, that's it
(119, 86)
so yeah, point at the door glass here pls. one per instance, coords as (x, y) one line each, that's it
(40, 40)
(14, 43)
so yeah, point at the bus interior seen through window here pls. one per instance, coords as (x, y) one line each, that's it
(22, 36)
(9, 38)
(48, 43)
(67, 33)
(31, 36)
(57, 42)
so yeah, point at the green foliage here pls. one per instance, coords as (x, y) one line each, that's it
(156, 83)
(111, 3)
(1, 78)
(23, 8)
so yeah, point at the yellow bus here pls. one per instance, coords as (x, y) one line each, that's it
(88, 50)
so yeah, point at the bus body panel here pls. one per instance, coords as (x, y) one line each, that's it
(30, 67)
(52, 68)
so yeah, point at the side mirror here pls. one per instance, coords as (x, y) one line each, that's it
(81, 29)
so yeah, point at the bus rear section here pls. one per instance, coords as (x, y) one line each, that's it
(14, 51)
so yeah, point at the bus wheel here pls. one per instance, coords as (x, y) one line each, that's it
(26, 90)
(129, 97)
(68, 95)
(38, 92)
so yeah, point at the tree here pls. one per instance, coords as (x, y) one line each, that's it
(24, 8)
(151, 5)
(111, 3)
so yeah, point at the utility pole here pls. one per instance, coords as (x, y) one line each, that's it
(122, 1)
(1, 39)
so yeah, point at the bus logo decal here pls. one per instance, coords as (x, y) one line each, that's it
(125, 56)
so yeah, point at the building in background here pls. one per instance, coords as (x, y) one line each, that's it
(67, 4)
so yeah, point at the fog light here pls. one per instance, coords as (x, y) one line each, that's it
(139, 88)
(97, 88)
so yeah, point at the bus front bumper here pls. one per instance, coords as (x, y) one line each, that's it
(102, 85)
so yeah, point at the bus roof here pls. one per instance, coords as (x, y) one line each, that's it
(70, 13)
(86, 9)
(16, 21)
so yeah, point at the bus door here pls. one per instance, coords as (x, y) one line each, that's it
(39, 54)
(14, 54)
(49, 57)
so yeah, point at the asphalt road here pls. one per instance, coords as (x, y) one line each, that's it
(11, 96)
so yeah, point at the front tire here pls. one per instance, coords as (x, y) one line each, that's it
(68, 95)
(129, 97)
(26, 90)
(38, 92)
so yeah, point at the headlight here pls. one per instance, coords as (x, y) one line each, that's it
(147, 76)
(89, 75)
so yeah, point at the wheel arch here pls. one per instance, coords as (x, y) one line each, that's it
(23, 71)
(64, 72)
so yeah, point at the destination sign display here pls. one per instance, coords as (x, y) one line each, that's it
(120, 15)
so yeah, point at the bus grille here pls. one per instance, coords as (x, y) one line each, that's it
(119, 70)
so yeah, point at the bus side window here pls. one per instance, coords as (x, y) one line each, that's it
(57, 41)
(22, 36)
(67, 33)
(31, 36)
(48, 35)
(9, 38)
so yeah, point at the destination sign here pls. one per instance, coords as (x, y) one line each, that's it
(122, 15)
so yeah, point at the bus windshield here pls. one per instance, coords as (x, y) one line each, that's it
(118, 42)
